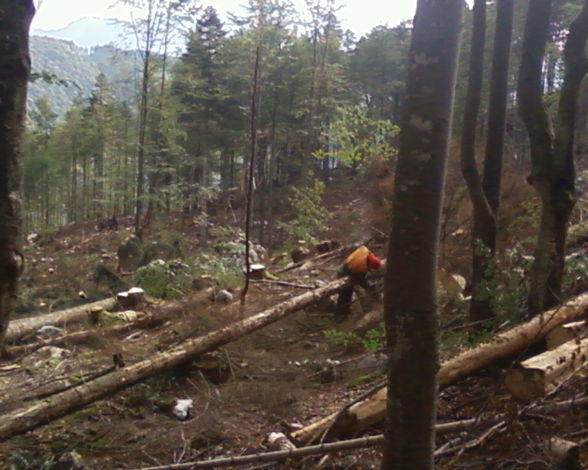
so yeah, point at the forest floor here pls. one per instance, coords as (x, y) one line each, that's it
(272, 380)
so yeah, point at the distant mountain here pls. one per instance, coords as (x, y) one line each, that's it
(89, 32)
(79, 67)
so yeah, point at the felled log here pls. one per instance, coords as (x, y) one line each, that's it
(565, 455)
(566, 332)
(25, 419)
(537, 376)
(24, 326)
(373, 409)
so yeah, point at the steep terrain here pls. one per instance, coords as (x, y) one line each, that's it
(277, 379)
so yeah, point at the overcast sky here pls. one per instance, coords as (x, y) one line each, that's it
(358, 15)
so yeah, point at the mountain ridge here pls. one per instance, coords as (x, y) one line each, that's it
(88, 32)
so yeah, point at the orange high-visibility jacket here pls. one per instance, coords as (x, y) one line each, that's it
(362, 260)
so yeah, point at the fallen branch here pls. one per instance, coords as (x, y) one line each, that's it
(373, 409)
(370, 441)
(51, 408)
(282, 283)
(24, 326)
(328, 254)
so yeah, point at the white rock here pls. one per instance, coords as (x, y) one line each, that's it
(278, 440)
(182, 408)
(223, 296)
(49, 331)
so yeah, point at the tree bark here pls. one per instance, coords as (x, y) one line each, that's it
(483, 216)
(53, 407)
(507, 344)
(410, 303)
(15, 66)
(485, 226)
(553, 172)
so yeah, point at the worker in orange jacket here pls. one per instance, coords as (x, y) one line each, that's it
(356, 266)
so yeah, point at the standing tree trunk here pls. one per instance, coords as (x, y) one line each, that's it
(552, 173)
(251, 170)
(483, 216)
(15, 64)
(410, 298)
(485, 231)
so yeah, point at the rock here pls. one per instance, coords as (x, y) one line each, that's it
(300, 253)
(202, 282)
(47, 355)
(33, 238)
(279, 441)
(182, 408)
(49, 331)
(223, 296)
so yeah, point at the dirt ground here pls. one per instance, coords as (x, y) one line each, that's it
(275, 379)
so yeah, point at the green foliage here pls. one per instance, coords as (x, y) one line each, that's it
(372, 340)
(357, 139)
(165, 279)
(575, 273)
(27, 459)
(506, 287)
(226, 271)
(311, 217)
(528, 220)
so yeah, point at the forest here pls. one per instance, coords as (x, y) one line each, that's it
(180, 225)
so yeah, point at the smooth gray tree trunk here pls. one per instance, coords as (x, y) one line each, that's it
(410, 297)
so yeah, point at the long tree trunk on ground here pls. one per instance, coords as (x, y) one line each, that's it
(552, 173)
(15, 65)
(25, 326)
(372, 410)
(410, 303)
(53, 407)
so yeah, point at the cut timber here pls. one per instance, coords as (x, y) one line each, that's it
(373, 409)
(132, 298)
(24, 326)
(541, 374)
(53, 407)
(257, 271)
(565, 455)
(566, 332)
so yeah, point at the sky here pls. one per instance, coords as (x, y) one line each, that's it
(360, 16)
